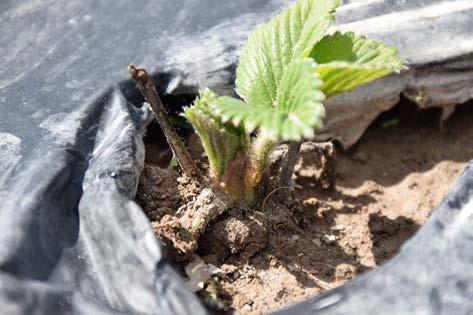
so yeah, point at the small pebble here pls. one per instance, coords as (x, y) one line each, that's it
(330, 238)
(246, 308)
(236, 275)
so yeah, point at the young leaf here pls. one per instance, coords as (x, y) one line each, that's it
(298, 108)
(220, 141)
(346, 61)
(274, 45)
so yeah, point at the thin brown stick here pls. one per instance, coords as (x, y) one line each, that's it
(289, 162)
(147, 88)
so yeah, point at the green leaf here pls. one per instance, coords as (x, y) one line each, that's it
(298, 108)
(220, 141)
(273, 46)
(346, 61)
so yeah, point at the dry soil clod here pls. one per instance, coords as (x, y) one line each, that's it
(184, 232)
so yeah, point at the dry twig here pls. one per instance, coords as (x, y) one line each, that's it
(147, 88)
(289, 162)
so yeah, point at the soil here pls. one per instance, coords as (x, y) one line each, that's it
(382, 191)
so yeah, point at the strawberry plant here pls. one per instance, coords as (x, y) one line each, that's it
(287, 69)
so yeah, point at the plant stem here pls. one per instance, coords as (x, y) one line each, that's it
(147, 88)
(260, 150)
(288, 163)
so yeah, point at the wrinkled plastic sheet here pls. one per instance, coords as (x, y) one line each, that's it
(71, 152)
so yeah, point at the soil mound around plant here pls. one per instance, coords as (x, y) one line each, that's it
(383, 190)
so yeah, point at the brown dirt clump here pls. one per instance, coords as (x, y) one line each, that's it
(385, 189)
(158, 192)
(239, 239)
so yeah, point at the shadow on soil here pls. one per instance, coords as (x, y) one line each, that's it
(415, 141)
(388, 235)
